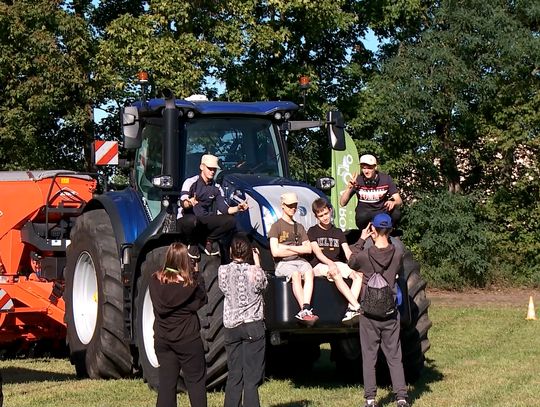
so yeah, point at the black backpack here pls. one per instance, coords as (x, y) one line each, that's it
(378, 300)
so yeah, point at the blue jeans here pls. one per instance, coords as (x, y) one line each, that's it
(245, 346)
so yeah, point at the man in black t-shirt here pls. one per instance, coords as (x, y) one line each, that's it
(376, 193)
(331, 253)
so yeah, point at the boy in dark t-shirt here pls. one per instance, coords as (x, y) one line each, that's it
(331, 253)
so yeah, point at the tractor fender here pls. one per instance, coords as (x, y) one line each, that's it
(126, 211)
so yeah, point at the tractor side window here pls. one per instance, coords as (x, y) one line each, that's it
(148, 165)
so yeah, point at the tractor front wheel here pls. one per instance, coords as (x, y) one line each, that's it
(94, 300)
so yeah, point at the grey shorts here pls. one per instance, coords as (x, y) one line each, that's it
(288, 267)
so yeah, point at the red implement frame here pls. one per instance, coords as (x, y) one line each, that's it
(35, 208)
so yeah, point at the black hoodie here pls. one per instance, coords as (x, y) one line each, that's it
(175, 309)
(374, 259)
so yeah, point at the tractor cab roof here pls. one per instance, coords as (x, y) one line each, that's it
(217, 108)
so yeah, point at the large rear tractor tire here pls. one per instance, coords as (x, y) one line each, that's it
(212, 331)
(414, 337)
(94, 300)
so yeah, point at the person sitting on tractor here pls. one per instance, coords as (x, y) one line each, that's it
(331, 252)
(206, 218)
(376, 192)
(289, 244)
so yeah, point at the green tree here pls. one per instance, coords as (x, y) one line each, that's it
(45, 100)
(449, 102)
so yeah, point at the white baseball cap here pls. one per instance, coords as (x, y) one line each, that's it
(211, 161)
(289, 198)
(368, 159)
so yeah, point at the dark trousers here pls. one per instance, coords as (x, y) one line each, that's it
(190, 358)
(364, 217)
(245, 346)
(198, 229)
(383, 334)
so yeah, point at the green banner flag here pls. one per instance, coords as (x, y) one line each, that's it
(344, 164)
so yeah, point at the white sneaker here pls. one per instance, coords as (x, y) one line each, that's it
(351, 317)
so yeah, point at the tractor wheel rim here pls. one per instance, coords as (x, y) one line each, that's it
(85, 298)
(148, 330)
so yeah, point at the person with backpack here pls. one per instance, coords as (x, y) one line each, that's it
(380, 264)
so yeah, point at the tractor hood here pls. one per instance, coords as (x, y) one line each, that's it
(263, 196)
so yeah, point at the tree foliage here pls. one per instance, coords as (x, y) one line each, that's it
(459, 101)
(450, 237)
(450, 100)
(45, 53)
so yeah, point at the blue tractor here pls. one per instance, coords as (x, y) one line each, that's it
(120, 240)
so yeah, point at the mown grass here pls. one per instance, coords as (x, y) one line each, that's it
(480, 356)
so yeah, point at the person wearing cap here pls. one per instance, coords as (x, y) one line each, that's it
(386, 258)
(206, 218)
(289, 245)
(376, 193)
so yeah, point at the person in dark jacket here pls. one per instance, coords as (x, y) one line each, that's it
(177, 292)
(206, 218)
(386, 258)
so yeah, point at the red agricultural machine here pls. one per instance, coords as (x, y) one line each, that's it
(37, 211)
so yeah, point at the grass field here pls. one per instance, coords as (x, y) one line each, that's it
(480, 356)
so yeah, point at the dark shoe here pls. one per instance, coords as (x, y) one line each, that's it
(211, 248)
(193, 252)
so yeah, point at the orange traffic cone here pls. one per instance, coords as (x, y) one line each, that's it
(531, 313)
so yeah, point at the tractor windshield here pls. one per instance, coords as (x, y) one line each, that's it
(247, 146)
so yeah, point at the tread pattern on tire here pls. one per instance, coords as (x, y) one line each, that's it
(107, 355)
(212, 333)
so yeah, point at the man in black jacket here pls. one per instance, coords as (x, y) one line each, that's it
(206, 218)
(385, 258)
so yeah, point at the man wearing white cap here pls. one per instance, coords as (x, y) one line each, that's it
(206, 218)
(289, 242)
(376, 192)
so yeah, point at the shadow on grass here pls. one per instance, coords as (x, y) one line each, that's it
(324, 375)
(430, 374)
(299, 403)
(17, 375)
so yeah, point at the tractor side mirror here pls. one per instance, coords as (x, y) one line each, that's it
(129, 118)
(325, 183)
(336, 130)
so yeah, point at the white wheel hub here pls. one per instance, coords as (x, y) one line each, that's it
(85, 298)
(148, 329)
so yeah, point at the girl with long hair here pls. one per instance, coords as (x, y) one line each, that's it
(177, 292)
